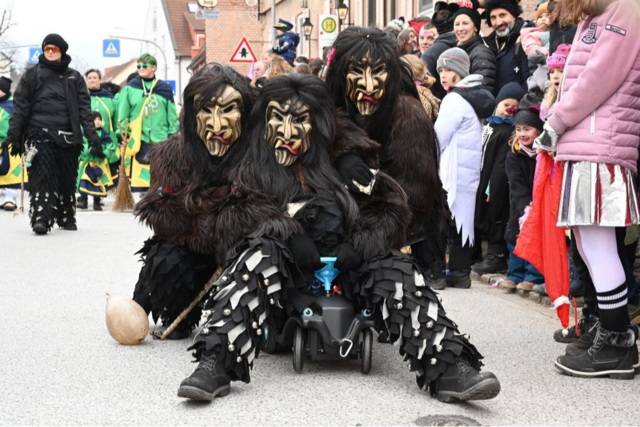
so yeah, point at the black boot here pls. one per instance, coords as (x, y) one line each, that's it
(209, 380)
(40, 228)
(492, 264)
(459, 279)
(585, 341)
(82, 202)
(462, 382)
(584, 326)
(96, 204)
(612, 354)
(181, 332)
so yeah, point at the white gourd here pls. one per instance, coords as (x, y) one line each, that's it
(126, 320)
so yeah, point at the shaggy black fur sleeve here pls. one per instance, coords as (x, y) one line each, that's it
(350, 138)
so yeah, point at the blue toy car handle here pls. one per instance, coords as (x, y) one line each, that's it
(328, 273)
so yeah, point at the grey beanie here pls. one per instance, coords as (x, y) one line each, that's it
(456, 60)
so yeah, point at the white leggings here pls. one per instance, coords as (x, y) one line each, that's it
(599, 250)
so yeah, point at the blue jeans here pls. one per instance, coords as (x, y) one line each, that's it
(521, 270)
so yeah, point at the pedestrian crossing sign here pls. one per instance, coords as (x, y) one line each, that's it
(243, 53)
(34, 54)
(111, 48)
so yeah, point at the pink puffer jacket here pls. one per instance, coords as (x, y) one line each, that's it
(597, 116)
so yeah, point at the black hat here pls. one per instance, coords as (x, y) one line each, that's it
(444, 25)
(56, 40)
(511, 90)
(529, 116)
(511, 6)
(473, 14)
(5, 85)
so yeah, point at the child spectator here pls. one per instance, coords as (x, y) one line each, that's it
(492, 200)
(556, 64)
(520, 167)
(459, 129)
(423, 82)
(94, 175)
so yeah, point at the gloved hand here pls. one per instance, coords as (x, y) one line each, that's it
(547, 140)
(305, 253)
(96, 150)
(347, 258)
(14, 149)
(352, 168)
(275, 49)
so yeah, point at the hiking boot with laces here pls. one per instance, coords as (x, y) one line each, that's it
(492, 264)
(583, 327)
(462, 382)
(208, 381)
(612, 354)
(583, 343)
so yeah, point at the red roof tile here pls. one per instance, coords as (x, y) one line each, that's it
(179, 25)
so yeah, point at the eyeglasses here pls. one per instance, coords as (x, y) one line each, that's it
(51, 49)
(144, 66)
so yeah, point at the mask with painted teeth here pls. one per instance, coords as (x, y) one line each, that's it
(288, 130)
(365, 84)
(219, 121)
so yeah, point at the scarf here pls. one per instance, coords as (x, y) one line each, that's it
(61, 65)
(500, 120)
(528, 150)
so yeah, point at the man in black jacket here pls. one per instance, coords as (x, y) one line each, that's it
(51, 105)
(503, 16)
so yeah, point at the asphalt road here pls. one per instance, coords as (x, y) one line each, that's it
(58, 364)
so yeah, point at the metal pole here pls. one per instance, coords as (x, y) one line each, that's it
(273, 23)
(166, 64)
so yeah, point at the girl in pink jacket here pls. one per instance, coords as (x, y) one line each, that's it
(594, 130)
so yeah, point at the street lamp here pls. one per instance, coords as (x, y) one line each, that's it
(343, 11)
(307, 28)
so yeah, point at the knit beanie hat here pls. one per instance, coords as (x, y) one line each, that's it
(543, 8)
(56, 40)
(511, 90)
(511, 6)
(5, 85)
(529, 116)
(456, 60)
(559, 57)
(444, 25)
(473, 14)
(397, 24)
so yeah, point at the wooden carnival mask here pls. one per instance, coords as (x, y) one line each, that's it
(288, 130)
(365, 83)
(219, 121)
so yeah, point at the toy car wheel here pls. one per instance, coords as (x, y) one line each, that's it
(269, 344)
(298, 349)
(366, 349)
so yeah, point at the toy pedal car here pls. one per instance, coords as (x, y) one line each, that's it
(329, 329)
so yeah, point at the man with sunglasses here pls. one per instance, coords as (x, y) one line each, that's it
(52, 109)
(147, 103)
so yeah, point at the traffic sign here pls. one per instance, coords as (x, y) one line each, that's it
(111, 48)
(243, 53)
(34, 53)
(328, 31)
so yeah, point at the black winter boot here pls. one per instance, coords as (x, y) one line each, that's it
(584, 325)
(462, 382)
(82, 202)
(612, 354)
(181, 332)
(585, 341)
(40, 228)
(209, 380)
(459, 279)
(492, 264)
(96, 204)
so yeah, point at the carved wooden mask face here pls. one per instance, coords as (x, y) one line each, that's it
(288, 130)
(219, 121)
(365, 83)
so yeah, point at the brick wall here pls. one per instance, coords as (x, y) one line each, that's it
(223, 35)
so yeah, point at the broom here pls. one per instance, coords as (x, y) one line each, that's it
(23, 166)
(124, 199)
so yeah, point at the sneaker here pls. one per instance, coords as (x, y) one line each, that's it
(584, 325)
(585, 341)
(540, 289)
(507, 284)
(492, 264)
(10, 206)
(612, 354)
(208, 381)
(462, 382)
(525, 286)
(459, 279)
(40, 228)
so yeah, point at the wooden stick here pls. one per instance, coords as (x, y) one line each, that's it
(195, 302)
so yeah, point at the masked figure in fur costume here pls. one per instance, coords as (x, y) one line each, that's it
(288, 157)
(187, 187)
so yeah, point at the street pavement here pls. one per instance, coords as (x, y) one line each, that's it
(59, 366)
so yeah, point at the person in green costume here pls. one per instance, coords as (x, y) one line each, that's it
(147, 103)
(94, 175)
(10, 167)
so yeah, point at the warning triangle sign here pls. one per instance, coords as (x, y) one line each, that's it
(36, 57)
(243, 53)
(111, 50)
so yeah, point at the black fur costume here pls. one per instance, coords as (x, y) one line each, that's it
(188, 186)
(263, 277)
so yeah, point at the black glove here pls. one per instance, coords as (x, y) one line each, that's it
(347, 258)
(5, 146)
(352, 168)
(96, 150)
(305, 252)
(14, 149)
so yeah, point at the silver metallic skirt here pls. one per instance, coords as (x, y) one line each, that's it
(597, 194)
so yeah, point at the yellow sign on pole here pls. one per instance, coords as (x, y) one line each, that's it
(329, 24)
